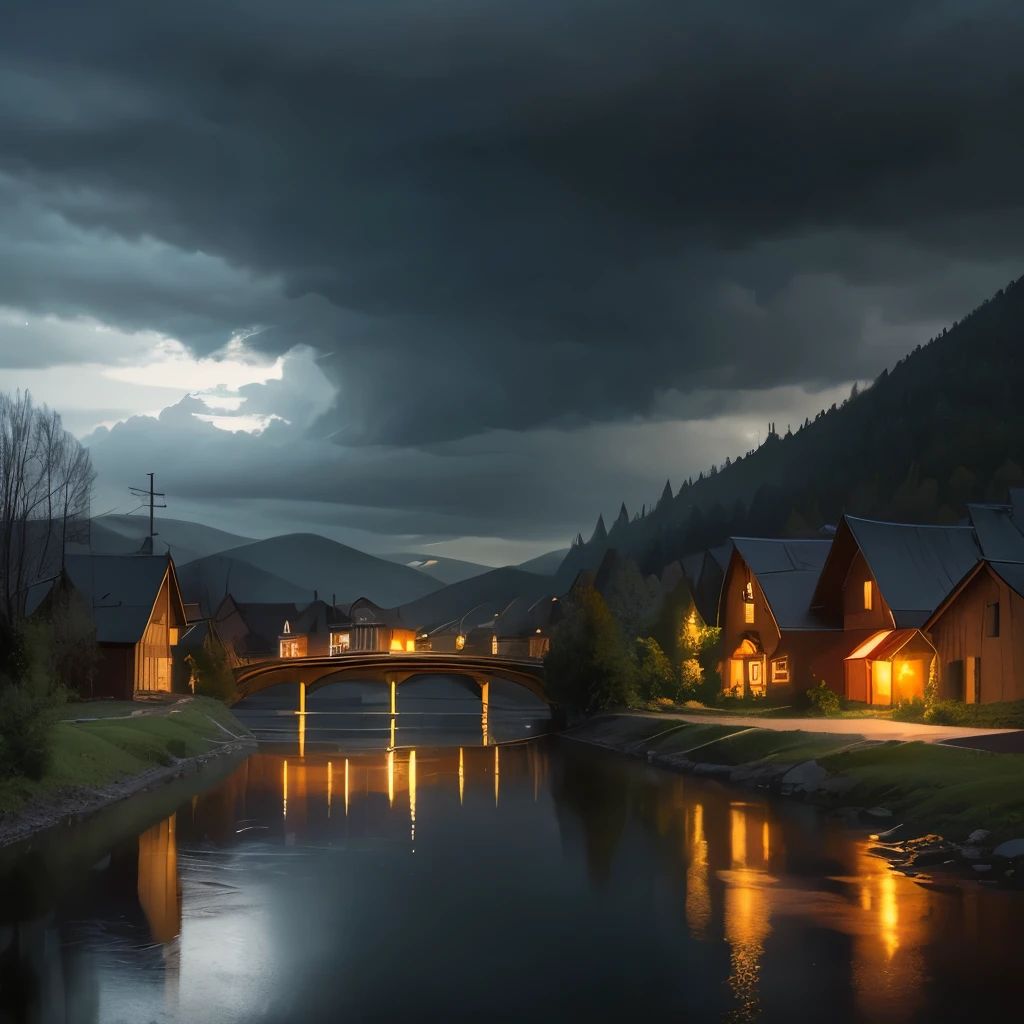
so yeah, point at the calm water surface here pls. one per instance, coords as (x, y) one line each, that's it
(533, 881)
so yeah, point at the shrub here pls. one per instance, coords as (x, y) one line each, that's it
(947, 712)
(912, 710)
(654, 676)
(824, 701)
(212, 673)
(26, 728)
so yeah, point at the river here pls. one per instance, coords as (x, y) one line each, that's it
(540, 880)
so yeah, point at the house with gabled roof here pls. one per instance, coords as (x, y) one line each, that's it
(978, 628)
(770, 636)
(135, 604)
(880, 584)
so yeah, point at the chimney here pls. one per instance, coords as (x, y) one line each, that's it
(314, 595)
(334, 600)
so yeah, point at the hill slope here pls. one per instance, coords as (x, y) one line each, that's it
(312, 562)
(445, 570)
(120, 534)
(207, 581)
(478, 598)
(944, 427)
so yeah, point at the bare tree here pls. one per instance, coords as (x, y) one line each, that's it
(46, 479)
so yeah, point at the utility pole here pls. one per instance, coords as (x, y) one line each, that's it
(142, 492)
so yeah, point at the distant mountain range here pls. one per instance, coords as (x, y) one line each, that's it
(212, 563)
(944, 427)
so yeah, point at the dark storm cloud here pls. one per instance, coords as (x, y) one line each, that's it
(506, 215)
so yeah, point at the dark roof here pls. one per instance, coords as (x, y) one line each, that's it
(365, 612)
(999, 539)
(886, 644)
(193, 612)
(915, 567)
(787, 572)
(1011, 573)
(119, 590)
(720, 555)
(692, 565)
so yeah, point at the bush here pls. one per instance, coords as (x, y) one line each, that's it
(212, 673)
(912, 710)
(824, 701)
(947, 712)
(26, 729)
(654, 678)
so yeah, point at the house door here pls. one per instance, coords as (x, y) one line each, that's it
(755, 678)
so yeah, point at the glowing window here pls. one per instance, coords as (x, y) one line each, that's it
(780, 670)
(172, 635)
(868, 595)
(460, 642)
(748, 592)
(494, 643)
(340, 643)
(287, 627)
(748, 612)
(293, 648)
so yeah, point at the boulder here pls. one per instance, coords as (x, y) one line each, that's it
(838, 785)
(979, 835)
(1011, 850)
(982, 868)
(970, 853)
(806, 777)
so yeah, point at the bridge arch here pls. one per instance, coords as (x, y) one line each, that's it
(387, 667)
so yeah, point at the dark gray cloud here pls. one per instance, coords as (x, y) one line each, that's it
(505, 216)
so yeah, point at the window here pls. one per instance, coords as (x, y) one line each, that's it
(287, 627)
(494, 643)
(172, 635)
(340, 643)
(992, 619)
(460, 642)
(780, 670)
(748, 592)
(869, 595)
(293, 648)
(748, 612)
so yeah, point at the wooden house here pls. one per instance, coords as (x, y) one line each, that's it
(978, 634)
(135, 603)
(769, 634)
(373, 628)
(880, 584)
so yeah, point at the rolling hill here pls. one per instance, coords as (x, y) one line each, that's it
(120, 534)
(478, 598)
(546, 564)
(446, 570)
(312, 562)
(207, 580)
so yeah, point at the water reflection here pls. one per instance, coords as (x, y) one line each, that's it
(601, 885)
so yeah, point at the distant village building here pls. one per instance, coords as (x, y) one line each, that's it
(136, 606)
(769, 633)
(523, 630)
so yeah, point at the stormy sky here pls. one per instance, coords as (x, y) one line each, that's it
(456, 275)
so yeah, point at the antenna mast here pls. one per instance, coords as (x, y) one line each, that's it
(142, 492)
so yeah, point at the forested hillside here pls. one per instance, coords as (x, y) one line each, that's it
(944, 427)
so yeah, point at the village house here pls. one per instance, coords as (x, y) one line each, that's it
(135, 605)
(880, 584)
(978, 634)
(978, 629)
(524, 629)
(769, 633)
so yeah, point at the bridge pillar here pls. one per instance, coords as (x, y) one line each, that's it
(393, 683)
(485, 699)
(302, 698)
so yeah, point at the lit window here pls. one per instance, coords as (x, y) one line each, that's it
(460, 642)
(287, 627)
(172, 638)
(868, 595)
(748, 612)
(992, 619)
(780, 670)
(340, 643)
(293, 648)
(494, 643)
(748, 592)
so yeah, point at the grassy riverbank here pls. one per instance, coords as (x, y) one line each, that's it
(89, 755)
(927, 786)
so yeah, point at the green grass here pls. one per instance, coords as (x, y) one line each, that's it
(949, 789)
(95, 754)
(751, 745)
